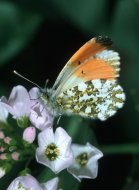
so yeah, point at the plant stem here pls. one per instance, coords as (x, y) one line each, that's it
(132, 148)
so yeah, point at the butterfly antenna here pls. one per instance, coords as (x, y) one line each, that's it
(15, 72)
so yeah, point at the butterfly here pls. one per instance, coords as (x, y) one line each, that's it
(87, 85)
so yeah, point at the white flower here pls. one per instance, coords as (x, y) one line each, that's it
(18, 103)
(54, 150)
(3, 113)
(39, 115)
(85, 163)
(2, 172)
(24, 183)
(28, 182)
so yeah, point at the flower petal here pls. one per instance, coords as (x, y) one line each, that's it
(41, 158)
(40, 117)
(26, 181)
(63, 162)
(95, 153)
(3, 113)
(2, 172)
(19, 102)
(34, 96)
(18, 94)
(46, 137)
(62, 140)
(89, 170)
(51, 184)
(10, 109)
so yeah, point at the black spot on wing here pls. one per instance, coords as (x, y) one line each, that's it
(79, 62)
(104, 40)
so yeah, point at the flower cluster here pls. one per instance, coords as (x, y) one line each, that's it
(52, 148)
(8, 153)
(24, 106)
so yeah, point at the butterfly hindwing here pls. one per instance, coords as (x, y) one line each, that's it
(95, 99)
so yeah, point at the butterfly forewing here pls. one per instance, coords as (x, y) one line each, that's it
(95, 99)
(103, 65)
(86, 52)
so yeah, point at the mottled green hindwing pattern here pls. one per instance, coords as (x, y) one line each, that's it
(96, 99)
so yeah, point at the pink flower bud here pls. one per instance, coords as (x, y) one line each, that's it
(7, 140)
(2, 135)
(3, 156)
(15, 155)
(29, 134)
(2, 149)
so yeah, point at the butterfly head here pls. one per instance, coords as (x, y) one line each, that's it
(49, 101)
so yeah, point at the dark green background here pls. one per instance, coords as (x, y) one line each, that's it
(37, 37)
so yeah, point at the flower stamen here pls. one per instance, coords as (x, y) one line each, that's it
(52, 152)
(82, 159)
(21, 187)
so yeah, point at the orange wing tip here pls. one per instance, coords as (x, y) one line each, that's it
(90, 48)
(96, 69)
(104, 40)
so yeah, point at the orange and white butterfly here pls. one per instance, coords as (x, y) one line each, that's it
(87, 85)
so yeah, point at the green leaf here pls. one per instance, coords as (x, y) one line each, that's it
(125, 32)
(66, 178)
(80, 129)
(17, 28)
(132, 182)
(88, 16)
